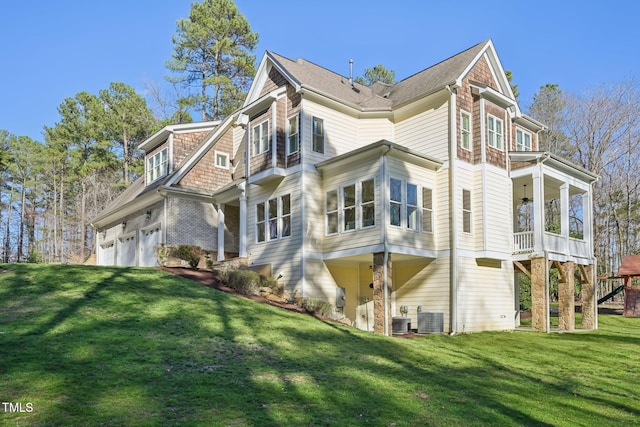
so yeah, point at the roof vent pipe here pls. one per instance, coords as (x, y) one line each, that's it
(351, 72)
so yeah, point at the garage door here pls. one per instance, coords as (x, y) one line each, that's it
(149, 239)
(127, 250)
(106, 253)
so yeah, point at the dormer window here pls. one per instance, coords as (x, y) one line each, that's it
(157, 166)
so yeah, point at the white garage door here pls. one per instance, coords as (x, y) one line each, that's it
(127, 250)
(149, 239)
(106, 253)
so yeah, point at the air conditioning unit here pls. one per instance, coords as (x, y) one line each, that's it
(400, 325)
(430, 323)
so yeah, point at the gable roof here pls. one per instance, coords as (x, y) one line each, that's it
(305, 75)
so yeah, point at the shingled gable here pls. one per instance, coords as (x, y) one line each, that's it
(305, 75)
(139, 194)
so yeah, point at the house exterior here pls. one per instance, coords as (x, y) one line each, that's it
(420, 201)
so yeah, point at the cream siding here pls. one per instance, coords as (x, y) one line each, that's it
(284, 254)
(499, 221)
(424, 283)
(340, 132)
(442, 211)
(426, 132)
(373, 130)
(485, 295)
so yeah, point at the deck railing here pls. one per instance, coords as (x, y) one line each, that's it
(523, 242)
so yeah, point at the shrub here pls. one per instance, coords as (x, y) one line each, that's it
(162, 254)
(244, 281)
(188, 253)
(317, 306)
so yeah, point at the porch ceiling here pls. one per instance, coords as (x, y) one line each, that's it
(368, 258)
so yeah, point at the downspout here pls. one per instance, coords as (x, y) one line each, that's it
(385, 257)
(453, 214)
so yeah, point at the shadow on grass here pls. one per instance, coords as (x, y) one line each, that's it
(145, 348)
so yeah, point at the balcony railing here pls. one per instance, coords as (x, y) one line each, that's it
(523, 242)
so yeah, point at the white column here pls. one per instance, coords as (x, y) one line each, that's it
(587, 220)
(243, 226)
(564, 215)
(538, 211)
(221, 232)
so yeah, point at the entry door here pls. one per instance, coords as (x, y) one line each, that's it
(149, 239)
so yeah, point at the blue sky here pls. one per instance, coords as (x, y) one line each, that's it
(51, 50)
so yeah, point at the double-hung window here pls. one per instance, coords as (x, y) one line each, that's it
(293, 135)
(427, 210)
(523, 140)
(367, 203)
(412, 207)
(465, 130)
(466, 211)
(273, 219)
(349, 207)
(318, 135)
(261, 138)
(395, 202)
(496, 132)
(331, 210)
(157, 165)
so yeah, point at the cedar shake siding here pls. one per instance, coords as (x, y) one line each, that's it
(184, 144)
(205, 175)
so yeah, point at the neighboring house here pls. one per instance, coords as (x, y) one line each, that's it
(423, 199)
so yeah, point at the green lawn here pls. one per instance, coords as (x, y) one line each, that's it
(126, 346)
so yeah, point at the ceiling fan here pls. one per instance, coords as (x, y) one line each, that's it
(525, 199)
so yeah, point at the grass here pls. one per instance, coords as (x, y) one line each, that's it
(126, 346)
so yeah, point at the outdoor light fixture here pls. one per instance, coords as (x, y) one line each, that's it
(280, 275)
(148, 215)
(525, 199)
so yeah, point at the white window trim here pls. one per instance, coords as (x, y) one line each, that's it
(279, 219)
(469, 131)
(297, 116)
(360, 204)
(313, 135)
(223, 154)
(342, 208)
(404, 220)
(523, 133)
(261, 149)
(156, 165)
(470, 211)
(493, 144)
(423, 209)
(327, 212)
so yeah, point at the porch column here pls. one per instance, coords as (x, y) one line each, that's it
(242, 250)
(220, 231)
(539, 295)
(564, 215)
(589, 307)
(379, 297)
(538, 211)
(566, 309)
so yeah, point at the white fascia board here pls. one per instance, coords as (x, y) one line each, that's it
(136, 204)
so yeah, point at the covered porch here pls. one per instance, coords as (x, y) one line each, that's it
(553, 217)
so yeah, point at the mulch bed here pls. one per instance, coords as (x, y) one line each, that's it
(210, 279)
